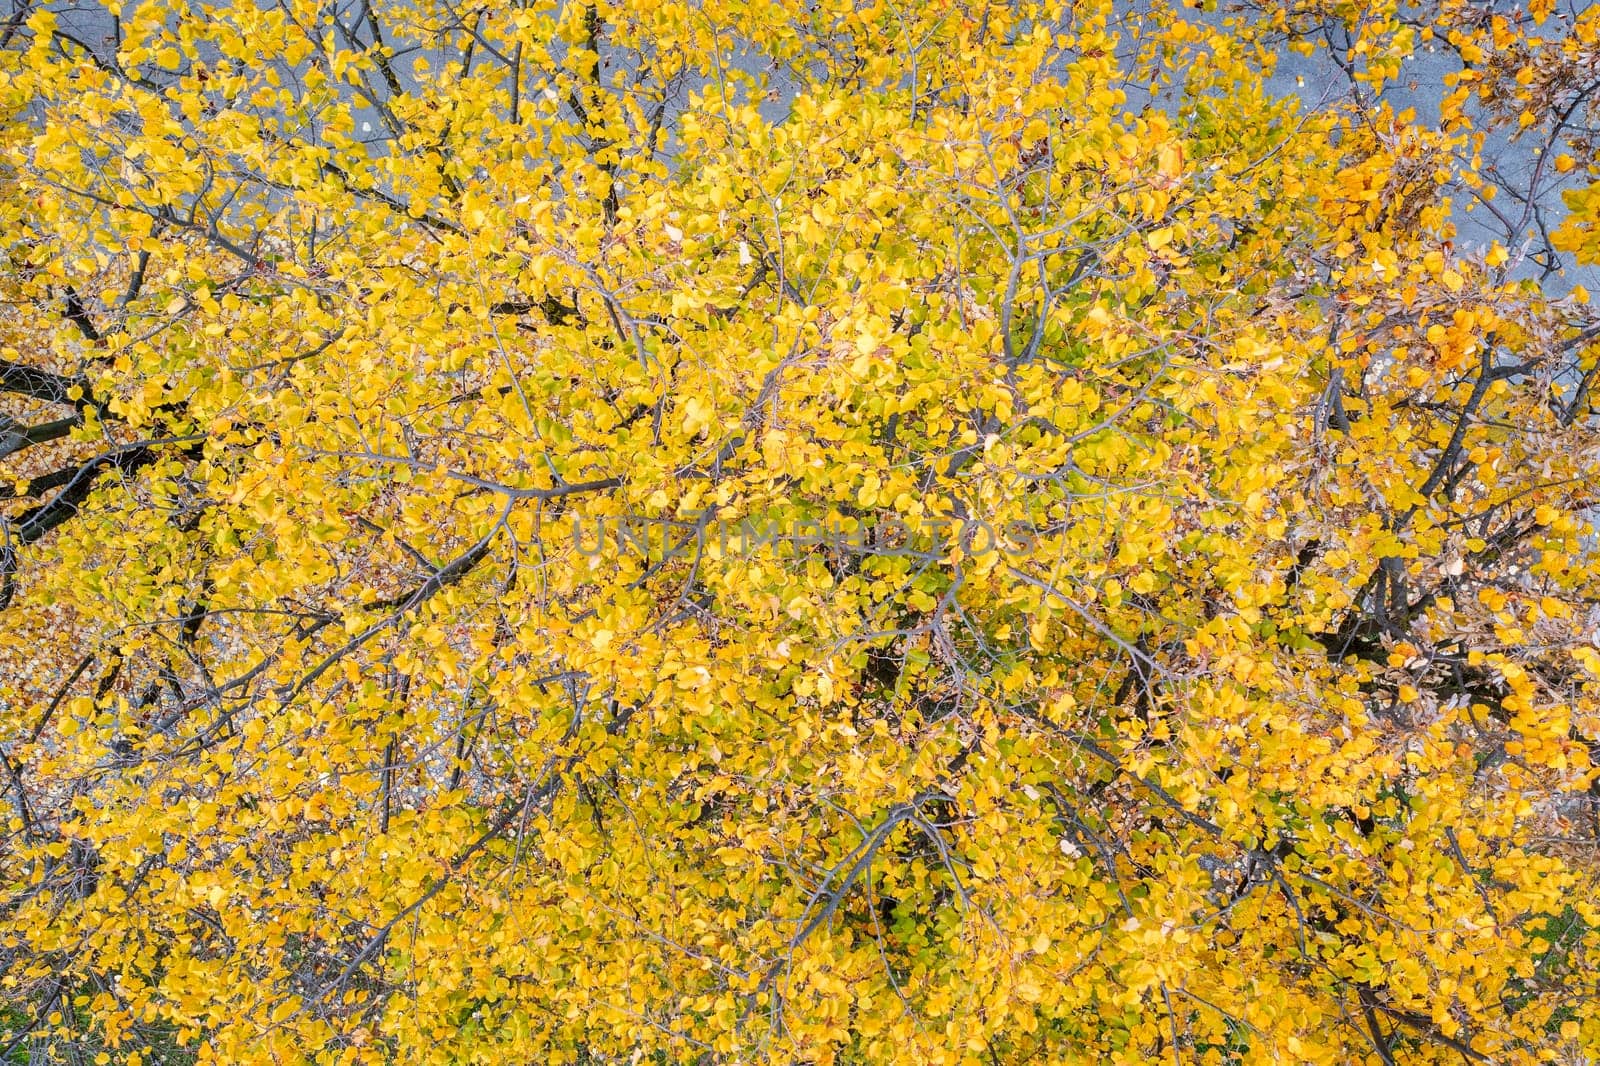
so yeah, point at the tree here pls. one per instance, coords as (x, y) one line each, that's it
(846, 533)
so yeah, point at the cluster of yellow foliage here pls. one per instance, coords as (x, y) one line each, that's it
(1260, 723)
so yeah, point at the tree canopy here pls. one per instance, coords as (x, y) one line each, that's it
(836, 532)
